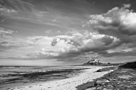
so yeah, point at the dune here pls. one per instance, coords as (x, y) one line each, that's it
(65, 84)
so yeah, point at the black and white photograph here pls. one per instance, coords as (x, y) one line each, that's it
(67, 44)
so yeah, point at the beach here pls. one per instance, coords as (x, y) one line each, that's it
(65, 84)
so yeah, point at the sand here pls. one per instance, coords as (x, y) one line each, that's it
(65, 84)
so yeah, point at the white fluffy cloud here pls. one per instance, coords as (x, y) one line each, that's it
(112, 29)
(84, 43)
(117, 22)
(121, 20)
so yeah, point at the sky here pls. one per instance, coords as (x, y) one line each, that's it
(67, 32)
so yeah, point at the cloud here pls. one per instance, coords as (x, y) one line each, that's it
(63, 46)
(80, 43)
(117, 22)
(107, 32)
(6, 11)
(127, 5)
(122, 50)
(5, 35)
(7, 39)
(118, 59)
(42, 54)
(39, 40)
(111, 30)
(3, 31)
(34, 47)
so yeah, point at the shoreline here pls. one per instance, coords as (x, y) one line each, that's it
(40, 77)
(66, 84)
